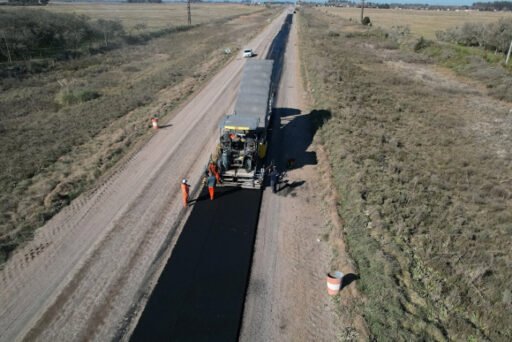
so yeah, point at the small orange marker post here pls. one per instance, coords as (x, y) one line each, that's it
(154, 122)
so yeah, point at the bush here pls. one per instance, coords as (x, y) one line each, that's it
(69, 97)
(366, 21)
(28, 33)
(493, 36)
(421, 44)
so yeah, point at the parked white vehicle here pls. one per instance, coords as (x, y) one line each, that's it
(247, 53)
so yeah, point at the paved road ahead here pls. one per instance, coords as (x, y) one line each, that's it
(200, 294)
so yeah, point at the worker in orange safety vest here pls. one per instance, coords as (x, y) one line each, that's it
(185, 189)
(212, 168)
(211, 181)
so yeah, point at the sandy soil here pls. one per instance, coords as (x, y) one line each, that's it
(81, 276)
(287, 298)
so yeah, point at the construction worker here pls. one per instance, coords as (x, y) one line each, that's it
(185, 189)
(274, 179)
(212, 168)
(211, 181)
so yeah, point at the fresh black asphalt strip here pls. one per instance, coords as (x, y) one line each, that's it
(201, 291)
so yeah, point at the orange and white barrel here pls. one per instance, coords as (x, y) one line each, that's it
(154, 122)
(334, 282)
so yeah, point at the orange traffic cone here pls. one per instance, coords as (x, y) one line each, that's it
(154, 123)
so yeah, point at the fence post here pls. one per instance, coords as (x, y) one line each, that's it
(508, 54)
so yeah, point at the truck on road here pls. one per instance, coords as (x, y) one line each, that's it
(243, 135)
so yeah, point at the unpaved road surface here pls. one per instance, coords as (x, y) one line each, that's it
(81, 275)
(287, 296)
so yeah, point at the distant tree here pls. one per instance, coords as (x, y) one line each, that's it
(491, 6)
(29, 2)
(26, 33)
(145, 1)
(109, 29)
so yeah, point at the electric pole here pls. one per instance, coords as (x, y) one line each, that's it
(362, 10)
(188, 11)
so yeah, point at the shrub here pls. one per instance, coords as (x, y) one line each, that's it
(70, 97)
(29, 33)
(366, 21)
(493, 36)
(421, 44)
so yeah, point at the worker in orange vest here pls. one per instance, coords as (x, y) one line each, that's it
(211, 181)
(185, 188)
(212, 168)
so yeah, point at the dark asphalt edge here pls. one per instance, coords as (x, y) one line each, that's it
(248, 278)
(141, 298)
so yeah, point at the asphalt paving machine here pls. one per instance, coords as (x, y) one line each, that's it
(243, 135)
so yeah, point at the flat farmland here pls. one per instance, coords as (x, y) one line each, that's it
(421, 23)
(422, 164)
(154, 16)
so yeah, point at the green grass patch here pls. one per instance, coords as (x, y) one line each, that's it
(422, 182)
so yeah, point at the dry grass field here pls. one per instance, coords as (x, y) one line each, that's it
(421, 160)
(154, 16)
(421, 23)
(52, 149)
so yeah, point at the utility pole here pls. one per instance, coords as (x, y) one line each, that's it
(362, 10)
(508, 54)
(188, 11)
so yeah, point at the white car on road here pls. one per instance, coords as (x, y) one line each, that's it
(247, 53)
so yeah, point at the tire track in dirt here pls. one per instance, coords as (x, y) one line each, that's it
(133, 218)
(154, 196)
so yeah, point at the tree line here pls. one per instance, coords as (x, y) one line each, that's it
(28, 2)
(493, 6)
(28, 34)
(481, 6)
(492, 36)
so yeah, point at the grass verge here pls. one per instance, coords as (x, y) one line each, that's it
(419, 161)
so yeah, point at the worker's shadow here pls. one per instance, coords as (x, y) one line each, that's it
(286, 188)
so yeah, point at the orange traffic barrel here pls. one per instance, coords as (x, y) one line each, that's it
(154, 122)
(334, 282)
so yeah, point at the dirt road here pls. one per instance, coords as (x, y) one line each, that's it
(80, 276)
(287, 298)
